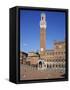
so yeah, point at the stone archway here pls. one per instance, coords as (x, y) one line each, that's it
(40, 64)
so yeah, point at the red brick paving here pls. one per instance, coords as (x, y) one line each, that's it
(28, 74)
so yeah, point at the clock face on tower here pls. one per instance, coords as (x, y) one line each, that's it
(42, 49)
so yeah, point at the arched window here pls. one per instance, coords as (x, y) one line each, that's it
(53, 65)
(56, 65)
(47, 65)
(50, 65)
(59, 65)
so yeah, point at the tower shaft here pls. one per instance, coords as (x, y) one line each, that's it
(42, 34)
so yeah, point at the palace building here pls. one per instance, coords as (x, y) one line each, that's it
(53, 58)
(47, 58)
(23, 57)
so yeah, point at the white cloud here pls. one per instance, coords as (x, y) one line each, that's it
(25, 44)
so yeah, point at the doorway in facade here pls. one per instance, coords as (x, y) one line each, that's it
(40, 64)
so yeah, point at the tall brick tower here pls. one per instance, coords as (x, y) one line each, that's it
(42, 34)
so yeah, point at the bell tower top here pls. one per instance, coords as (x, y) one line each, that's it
(43, 17)
(43, 21)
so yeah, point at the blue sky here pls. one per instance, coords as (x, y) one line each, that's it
(30, 29)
